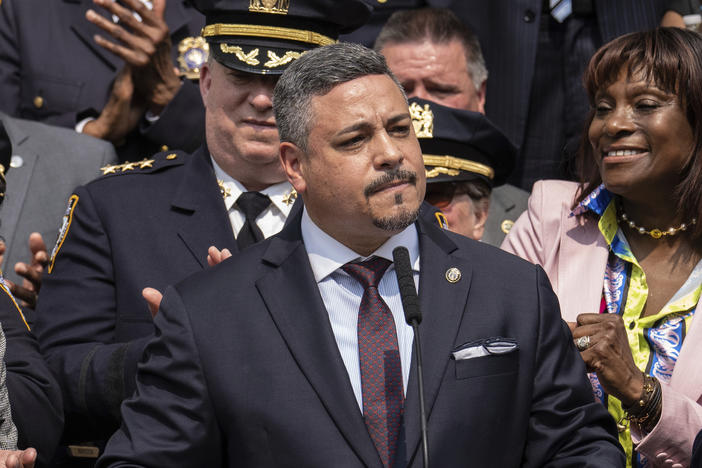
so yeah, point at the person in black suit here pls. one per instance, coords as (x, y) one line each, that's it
(52, 70)
(306, 360)
(150, 223)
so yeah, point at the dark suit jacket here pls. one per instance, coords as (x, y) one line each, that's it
(35, 398)
(129, 230)
(47, 50)
(54, 161)
(251, 375)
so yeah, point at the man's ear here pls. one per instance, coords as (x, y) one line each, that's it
(481, 97)
(481, 208)
(205, 81)
(291, 157)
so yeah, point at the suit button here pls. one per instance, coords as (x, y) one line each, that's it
(38, 102)
(529, 16)
(164, 148)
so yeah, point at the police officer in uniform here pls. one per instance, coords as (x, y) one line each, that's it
(150, 223)
(465, 156)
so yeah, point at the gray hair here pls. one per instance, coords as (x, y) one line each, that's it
(315, 74)
(440, 26)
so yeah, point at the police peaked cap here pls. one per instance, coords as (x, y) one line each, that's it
(460, 145)
(265, 36)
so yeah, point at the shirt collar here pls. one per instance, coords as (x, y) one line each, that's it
(278, 193)
(327, 255)
(597, 201)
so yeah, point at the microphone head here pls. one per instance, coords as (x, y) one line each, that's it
(405, 282)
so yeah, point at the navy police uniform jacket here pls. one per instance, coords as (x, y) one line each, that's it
(251, 376)
(51, 70)
(143, 224)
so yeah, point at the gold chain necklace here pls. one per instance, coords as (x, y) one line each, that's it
(655, 233)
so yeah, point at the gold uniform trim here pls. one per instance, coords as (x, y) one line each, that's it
(275, 32)
(444, 164)
(12, 298)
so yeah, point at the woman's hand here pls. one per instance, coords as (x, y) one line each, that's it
(609, 355)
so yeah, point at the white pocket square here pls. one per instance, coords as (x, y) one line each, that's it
(486, 347)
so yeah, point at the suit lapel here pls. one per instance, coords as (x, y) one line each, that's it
(291, 295)
(687, 374)
(201, 215)
(442, 304)
(17, 180)
(580, 277)
(86, 30)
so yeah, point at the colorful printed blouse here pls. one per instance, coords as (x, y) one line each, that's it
(656, 340)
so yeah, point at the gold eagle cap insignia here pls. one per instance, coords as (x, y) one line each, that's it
(277, 7)
(422, 120)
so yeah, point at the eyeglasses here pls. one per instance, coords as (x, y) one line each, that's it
(440, 194)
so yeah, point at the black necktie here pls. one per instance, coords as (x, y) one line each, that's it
(251, 204)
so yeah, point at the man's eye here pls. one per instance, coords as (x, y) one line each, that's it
(352, 141)
(400, 130)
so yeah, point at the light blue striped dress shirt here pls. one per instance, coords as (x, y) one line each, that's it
(342, 294)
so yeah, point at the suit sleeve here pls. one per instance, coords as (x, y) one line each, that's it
(567, 427)
(170, 419)
(35, 398)
(525, 239)
(181, 124)
(681, 420)
(76, 319)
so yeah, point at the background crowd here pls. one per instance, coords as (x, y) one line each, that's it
(144, 133)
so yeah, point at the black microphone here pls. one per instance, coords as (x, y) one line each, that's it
(413, 317)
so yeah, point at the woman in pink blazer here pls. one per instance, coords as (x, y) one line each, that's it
(623, 248)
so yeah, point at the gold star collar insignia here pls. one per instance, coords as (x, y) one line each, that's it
(290, 197)
(109, 169)
(144, 163)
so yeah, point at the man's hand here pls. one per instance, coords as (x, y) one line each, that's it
(18, 458)
(31, 272)
(609, 355)
(215, 256)
(145, 45)
(122, 112)
(153, 299)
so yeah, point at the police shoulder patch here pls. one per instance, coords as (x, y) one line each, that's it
(146, 165)
(65, 226)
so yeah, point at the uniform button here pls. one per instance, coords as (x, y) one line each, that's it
(528, 16)
(38, 102)
(16, 161)
(164, 148)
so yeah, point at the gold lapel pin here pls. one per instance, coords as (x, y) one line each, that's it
(453, 275)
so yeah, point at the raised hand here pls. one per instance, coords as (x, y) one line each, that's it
(145, 45)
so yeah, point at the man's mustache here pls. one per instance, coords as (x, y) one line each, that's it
(390, 177)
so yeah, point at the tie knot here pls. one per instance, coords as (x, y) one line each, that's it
(252, 204)
(368, 273)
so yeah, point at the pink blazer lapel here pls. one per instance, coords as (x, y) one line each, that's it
(581, 266)
(687, 375)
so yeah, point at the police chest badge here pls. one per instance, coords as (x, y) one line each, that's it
(65, 226)
(192, 55)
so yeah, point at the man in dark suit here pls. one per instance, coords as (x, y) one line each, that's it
(53, 70)
(438, 58)
(150, 223)
(295, 353)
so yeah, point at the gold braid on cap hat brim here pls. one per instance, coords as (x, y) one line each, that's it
(274, 32)
(450, 162)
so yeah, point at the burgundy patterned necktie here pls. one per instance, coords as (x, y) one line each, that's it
(381, 370)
